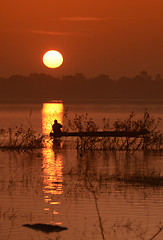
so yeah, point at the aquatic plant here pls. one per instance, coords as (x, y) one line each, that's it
(147, 124)
(153, 179)
(82, 123)
(86, 178)
(94, 182)
(19, 138)
(151, 141)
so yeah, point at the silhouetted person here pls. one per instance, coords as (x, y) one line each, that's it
(57, 127)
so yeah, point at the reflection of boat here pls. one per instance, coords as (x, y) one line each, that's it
(101, 134)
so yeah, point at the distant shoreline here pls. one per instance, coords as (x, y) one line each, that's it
(84, 101)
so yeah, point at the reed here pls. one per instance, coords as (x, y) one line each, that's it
(20, 139)
(151, 141)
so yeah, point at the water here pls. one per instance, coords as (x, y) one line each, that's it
(48, 186)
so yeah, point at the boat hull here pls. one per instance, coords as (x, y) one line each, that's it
(101, 134)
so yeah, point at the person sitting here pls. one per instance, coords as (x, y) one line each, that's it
(57, 127)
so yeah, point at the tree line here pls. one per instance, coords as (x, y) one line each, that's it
(44, 87)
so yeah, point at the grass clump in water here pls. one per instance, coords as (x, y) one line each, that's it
(82, 123)
(151, 141)
(19, 138)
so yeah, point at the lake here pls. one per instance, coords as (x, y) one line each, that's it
(83, 192)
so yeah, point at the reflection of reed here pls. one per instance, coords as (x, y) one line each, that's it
(52, 162)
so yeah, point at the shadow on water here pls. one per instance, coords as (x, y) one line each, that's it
(47, 228)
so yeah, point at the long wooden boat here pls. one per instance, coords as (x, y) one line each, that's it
(101, 134)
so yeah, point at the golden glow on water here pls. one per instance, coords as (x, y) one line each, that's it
(51, 111)
(52, 159)
(55, 203)
(52, 174)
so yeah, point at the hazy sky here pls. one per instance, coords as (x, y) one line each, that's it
(114, 37)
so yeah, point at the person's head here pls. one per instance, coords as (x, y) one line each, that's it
(55, 121)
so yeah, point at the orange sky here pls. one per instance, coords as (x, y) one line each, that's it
(114, 37)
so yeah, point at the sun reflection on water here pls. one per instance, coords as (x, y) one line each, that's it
(51, 111)
(52, 159)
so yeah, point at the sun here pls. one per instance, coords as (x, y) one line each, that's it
(52, 59)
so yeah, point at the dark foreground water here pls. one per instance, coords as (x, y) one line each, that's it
(79, 191)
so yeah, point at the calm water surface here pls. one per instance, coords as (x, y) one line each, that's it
(52, 186)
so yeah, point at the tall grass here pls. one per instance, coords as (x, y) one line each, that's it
(19, 138)
(151, 141)
(82, 123)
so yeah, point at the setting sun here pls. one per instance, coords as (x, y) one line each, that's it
(52, 59)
